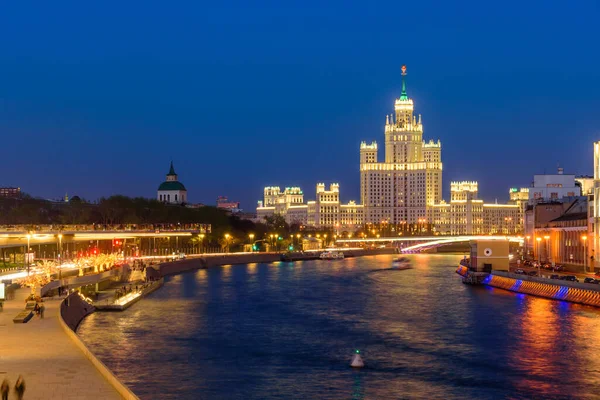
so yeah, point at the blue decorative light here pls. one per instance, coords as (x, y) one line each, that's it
(517, 285)
(562, 293)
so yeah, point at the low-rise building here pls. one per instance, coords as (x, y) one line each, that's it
(553, 187)
(10, 192)
(326, 211)
(466, 214)
(223, 203)
(561, 232)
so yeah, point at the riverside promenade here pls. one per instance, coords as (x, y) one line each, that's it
(51, 364)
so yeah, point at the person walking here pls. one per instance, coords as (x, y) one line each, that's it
(4, 388)
(20, 387)
(42, 309)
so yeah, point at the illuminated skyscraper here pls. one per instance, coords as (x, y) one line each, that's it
(403, 187)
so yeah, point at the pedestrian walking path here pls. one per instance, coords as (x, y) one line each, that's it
(40, 350)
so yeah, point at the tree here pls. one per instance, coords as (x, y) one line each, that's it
(48, 268)
(276, 223)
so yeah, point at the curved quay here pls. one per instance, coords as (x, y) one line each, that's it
(74, 310)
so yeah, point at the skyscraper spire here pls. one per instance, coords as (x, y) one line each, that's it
(403, 95)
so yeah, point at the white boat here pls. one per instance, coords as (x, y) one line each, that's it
(401, 263)
(332, 255)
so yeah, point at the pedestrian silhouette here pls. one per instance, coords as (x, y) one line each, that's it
(4, 388)
(20, 387)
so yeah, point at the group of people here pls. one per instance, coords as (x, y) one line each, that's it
(19, 388)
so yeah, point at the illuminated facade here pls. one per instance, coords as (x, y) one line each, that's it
(409, 182)
(326, 211)
(553, 187)
(466, 214)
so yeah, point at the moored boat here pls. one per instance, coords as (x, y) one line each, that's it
(332, 255)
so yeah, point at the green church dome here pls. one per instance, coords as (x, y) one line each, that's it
(172, 185)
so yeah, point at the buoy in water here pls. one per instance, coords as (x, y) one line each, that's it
(357, 361)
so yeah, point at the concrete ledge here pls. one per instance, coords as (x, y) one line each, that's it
(550, 289)
(121, 307)
(23, 317)
(121, 388)
(576, 285)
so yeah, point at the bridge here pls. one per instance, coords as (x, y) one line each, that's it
(19, 236)
(416, 244)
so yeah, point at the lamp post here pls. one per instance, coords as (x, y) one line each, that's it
(227, 236)
(251, 236)
(201, 242)
(547, 248)
(26, 258)
(584, 238)
(60, 256)
(539, 240)
(527, 245)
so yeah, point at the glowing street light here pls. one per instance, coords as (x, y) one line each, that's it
(546, 237)
(26, 258)
(584, 238)
(60, 256)
(539, 240)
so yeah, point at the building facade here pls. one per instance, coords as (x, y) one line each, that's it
(466, 214)
(10, 192)
(552, 187)
(561, 232)
(172, 191)
(326, 211)
(408, 182)
(223, 203)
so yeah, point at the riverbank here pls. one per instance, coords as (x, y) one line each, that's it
(574, 292)
(213, 260)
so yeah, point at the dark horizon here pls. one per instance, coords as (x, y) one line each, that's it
(97, 101)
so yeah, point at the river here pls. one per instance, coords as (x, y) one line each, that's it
(288, 331)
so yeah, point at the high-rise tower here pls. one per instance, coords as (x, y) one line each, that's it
(400, 189)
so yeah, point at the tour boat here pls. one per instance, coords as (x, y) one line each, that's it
(401, 263)
(332, 255)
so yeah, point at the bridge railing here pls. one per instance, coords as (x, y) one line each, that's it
(202, 228)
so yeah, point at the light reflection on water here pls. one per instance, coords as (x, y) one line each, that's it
(287, 330)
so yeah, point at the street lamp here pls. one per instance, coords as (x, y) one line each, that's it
(27, 253)
(227, 236)
(527, 245)
(547, 248)
(60, 256)
(539, 240)
(201, 242)
(251, 236)
(584, 238)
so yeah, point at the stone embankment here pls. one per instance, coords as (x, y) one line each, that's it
(575, 292)
(210, 260)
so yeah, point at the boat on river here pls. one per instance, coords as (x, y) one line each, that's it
(401, 263)
(332, 255)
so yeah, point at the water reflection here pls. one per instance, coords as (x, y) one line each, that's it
(287, 330)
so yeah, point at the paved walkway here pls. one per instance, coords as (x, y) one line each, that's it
(52, 366)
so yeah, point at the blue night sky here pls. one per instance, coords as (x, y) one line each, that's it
(96, 99)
